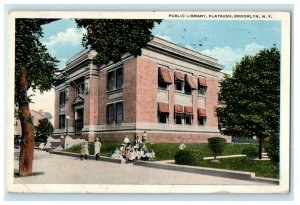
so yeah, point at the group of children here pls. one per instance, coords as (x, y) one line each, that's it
(135, 150)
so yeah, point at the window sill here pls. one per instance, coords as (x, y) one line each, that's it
(115, 91)
(161, 88)
(182, 93)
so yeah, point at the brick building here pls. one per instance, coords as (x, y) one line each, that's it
(169, 91)
(35, 117)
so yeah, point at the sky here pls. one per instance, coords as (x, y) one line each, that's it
(227, 41)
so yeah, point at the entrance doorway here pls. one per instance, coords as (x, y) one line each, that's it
(79, 121)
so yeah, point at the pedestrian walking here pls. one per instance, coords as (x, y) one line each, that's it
(82, 150)
(86, 149)
(97, 148)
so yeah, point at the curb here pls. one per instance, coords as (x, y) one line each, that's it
(249, 176)
(101, 158)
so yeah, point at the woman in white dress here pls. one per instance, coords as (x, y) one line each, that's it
(86, 149)
(97, 147)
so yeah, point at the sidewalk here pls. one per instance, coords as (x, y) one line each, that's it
(69, 170)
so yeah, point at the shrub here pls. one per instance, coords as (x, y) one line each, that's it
(217, 145)
(272, 147)
(251, 151)
(188, 157)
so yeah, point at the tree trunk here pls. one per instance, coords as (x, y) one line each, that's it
(260, 149)
(27, 139)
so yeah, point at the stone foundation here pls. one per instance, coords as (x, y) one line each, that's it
(156, 137)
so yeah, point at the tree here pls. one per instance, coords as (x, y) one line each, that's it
(216, 145)
(34, 68)
(250, 98)
(112, 38)
(43, 130)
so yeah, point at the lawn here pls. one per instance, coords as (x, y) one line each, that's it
(166, 151)
(263, 168)
(107, 148)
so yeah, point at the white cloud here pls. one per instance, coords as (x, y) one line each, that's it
(62, 62)
(71, 36)
(229, 57)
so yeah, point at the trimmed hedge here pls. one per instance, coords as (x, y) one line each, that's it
(251, 151)
(217, 145)
(272, 147)
(188, 157)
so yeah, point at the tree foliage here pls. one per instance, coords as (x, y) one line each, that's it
(217, 145)
(32, 55)
(112, 38)
(250, 97)
(43, 130)
(34, 68)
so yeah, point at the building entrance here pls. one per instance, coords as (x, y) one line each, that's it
(79, 121)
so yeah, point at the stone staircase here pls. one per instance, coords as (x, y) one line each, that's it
(265, 156)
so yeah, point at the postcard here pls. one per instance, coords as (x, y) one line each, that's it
(148, 102)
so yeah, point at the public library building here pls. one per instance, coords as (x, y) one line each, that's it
(168, 91)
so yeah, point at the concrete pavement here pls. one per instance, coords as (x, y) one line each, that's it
(69, 170)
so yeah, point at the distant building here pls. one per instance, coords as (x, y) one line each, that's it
(168, 91)
(35, 117)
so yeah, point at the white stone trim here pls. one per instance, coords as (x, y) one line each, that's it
(175, 64)
(158, 127)
(184, 52)
(183, 99)
(162, 95)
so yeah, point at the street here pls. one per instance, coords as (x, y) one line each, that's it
(69, 170)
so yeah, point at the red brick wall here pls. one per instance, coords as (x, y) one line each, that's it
(129, 91)
(69, 110)
(171, 99)
(91, 102)
(195, 104)
(115, 137)
(102, 100)
(146, 100)
(211, 101)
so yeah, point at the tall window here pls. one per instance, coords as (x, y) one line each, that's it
(115, 79)
(202, 121)
(179, 85)
(202, 86)
(187, 89)
(162, 84)
(110, 114)
(62, 119)
(114, 113)
(202, 90)
(178, 119)
(163, 117)
(119, 78)
(62, 98)
(80, 88)
(188, 119)
(119, 112)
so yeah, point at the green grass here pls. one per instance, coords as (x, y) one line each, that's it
(166, 151)
(107, 148)
(261, 168)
